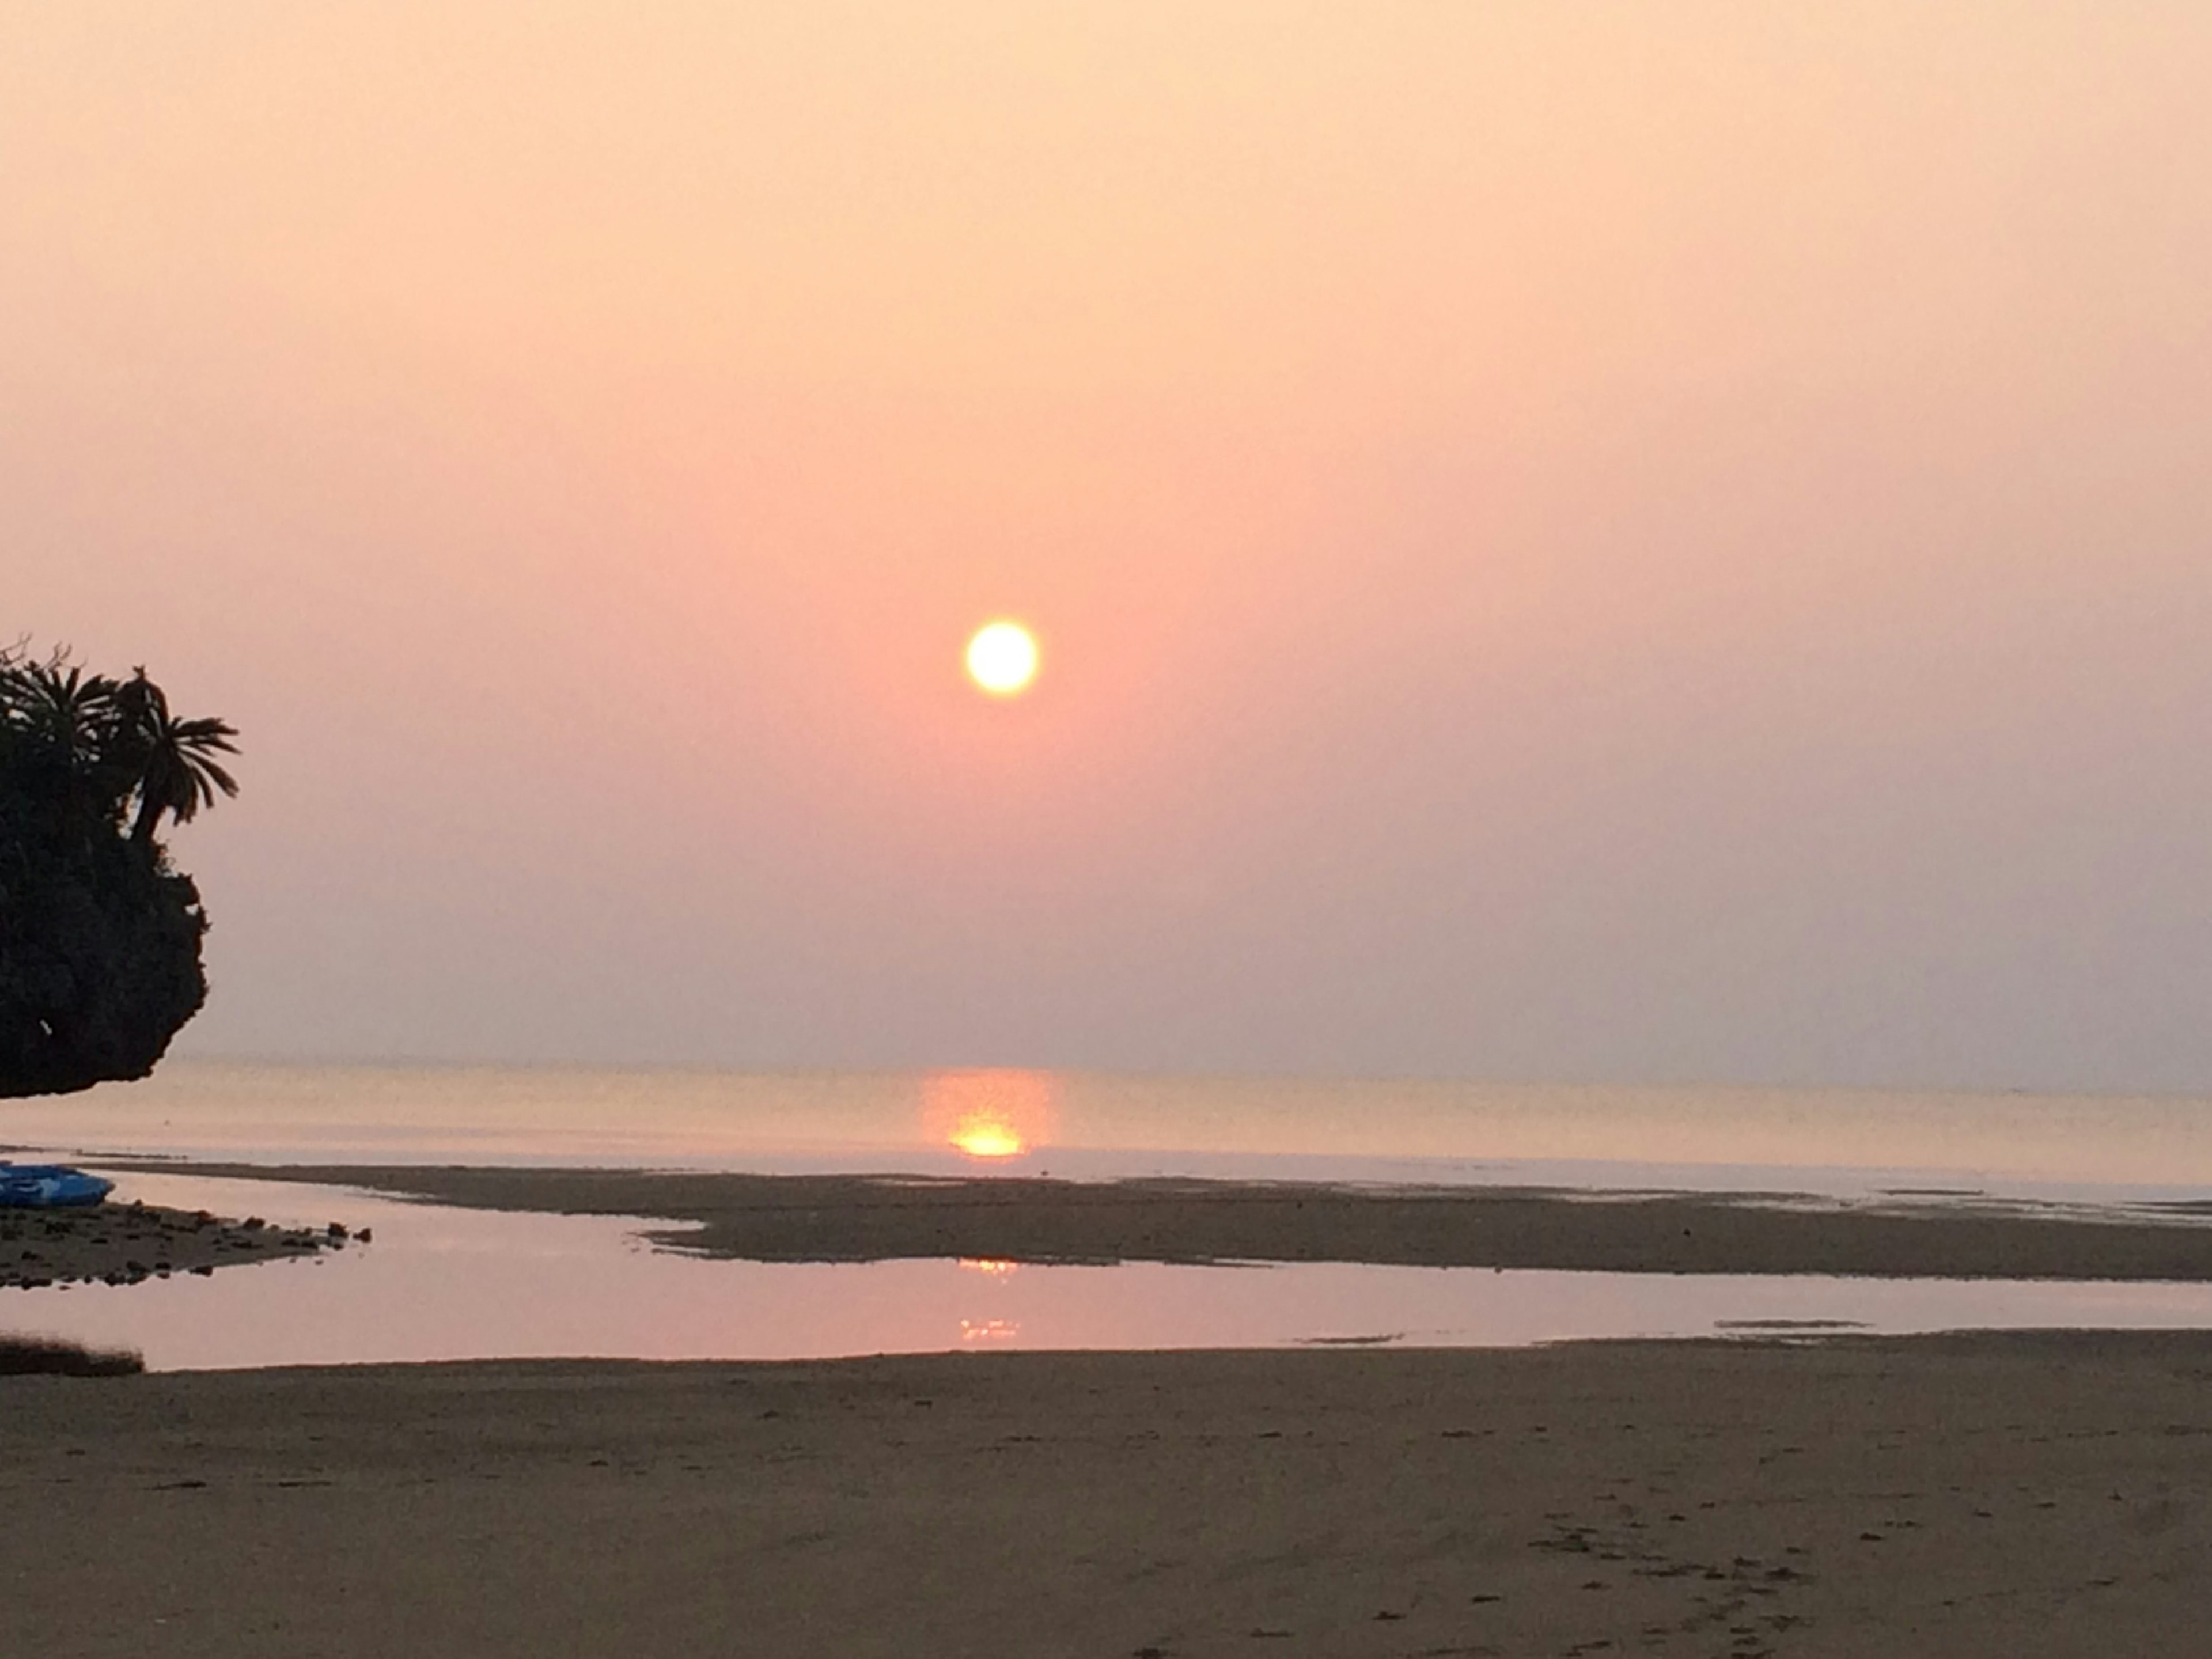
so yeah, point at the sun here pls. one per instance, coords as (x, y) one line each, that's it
(1002, 659)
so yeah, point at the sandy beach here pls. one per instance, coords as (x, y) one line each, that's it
(2029, 1495)
(864, 1218)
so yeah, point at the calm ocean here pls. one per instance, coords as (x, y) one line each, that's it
(1089, 1126)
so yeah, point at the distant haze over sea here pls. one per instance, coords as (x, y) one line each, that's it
(1086, 1125)
(1624, 544)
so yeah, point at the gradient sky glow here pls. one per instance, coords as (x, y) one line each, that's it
(1580, 542)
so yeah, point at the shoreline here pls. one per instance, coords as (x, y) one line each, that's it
(1999, 1493)
(1188, 1221)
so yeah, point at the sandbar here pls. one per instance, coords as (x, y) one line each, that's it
(877, 1218)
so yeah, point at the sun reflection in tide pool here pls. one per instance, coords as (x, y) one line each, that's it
(988, 1116)
(995, 1273)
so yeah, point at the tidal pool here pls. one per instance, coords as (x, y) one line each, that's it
(444, 1283)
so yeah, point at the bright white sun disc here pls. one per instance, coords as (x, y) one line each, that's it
(1002, 658)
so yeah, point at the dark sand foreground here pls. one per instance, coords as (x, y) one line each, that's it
(2043, 1495)
(873, 1218)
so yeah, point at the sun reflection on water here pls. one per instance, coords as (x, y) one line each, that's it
(983, 1137)
(988, 1116)
(996, 1272)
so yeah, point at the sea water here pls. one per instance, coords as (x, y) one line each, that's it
(441, 1282)
(1089, 1126)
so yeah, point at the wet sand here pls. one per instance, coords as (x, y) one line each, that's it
(866, 1219)
(124, 1244)
(2029, 1495)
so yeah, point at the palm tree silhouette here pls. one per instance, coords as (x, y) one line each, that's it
(174, 760)
(66, 714)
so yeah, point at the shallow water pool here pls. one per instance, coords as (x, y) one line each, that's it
(444, 1283)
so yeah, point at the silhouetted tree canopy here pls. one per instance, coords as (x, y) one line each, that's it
(99, 937)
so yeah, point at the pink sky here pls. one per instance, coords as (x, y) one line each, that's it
(1638, 542)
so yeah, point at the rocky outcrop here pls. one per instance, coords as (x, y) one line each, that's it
(100, 936)
(99, 956)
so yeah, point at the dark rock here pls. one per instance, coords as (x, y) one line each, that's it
(100, 934)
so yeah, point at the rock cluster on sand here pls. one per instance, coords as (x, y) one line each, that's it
(125, 1243)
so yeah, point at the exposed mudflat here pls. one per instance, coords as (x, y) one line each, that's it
(880, 1217)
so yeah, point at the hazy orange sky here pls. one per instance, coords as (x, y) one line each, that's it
(1580, 542)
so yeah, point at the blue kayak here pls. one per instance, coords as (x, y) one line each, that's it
(48, 1186)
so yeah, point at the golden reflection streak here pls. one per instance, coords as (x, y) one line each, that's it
(986, 1137)
(988, 1116)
